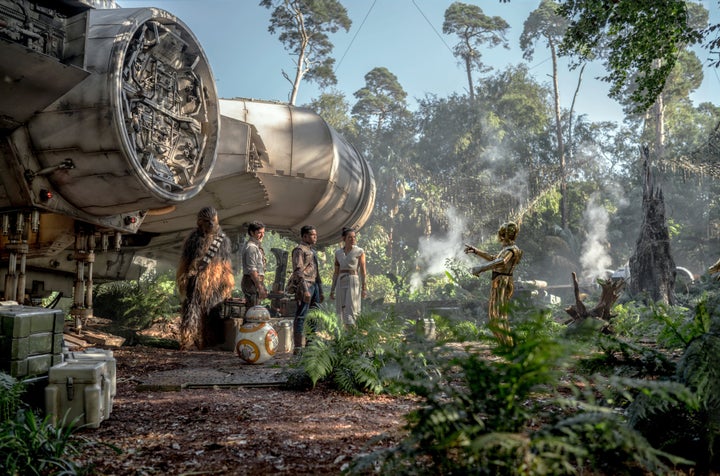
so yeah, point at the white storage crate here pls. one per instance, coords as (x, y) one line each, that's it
(78, 390)
(104, 355)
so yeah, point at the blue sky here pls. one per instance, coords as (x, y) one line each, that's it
(404, 36)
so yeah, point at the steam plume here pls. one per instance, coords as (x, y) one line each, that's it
(434, 251)
(595, 259)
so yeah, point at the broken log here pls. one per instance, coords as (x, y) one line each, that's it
(611, 290)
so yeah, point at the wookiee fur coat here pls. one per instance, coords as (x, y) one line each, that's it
(205, 279)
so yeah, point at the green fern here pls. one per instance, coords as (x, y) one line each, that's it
(692, 431)
(137, 304)
(481, 408)
(318, 360)
(671, 327)
(615, 354)
(354, 358)
(601, 440)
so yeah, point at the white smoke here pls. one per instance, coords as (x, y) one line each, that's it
(516, 186)
(434, 251)
(595, 259)
(617, 195)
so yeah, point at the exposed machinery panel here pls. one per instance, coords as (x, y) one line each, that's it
(112, 137)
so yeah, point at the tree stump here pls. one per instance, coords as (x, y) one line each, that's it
(652, 268)
(611, 291)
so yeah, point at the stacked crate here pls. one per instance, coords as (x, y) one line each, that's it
(97, 355)
(81, 390)
(73, 387)
(31, 340)
(78, 393)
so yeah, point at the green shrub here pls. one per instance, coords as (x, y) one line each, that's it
(354, 358)
(671, 327)
(511, 410)
(137, 304)
(30, 445)
(11, 391)
(458, 329)
(691, 432)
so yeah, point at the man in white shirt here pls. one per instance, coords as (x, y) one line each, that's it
(253, 280)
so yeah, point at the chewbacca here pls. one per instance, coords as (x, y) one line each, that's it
(205, 279)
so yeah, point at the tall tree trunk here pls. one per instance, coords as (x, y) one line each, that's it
(572, 109)
(389, 245)
(659, 112)
(300, 66)
(652, 268)
(468, 68)
(659, 127)
(559, 137)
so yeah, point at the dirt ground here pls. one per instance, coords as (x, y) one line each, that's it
(243, 430)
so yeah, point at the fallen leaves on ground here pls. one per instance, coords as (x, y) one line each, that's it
(227, 431)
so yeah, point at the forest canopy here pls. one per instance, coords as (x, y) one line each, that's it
(453, 168)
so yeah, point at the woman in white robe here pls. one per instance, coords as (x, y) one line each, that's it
(349, 284)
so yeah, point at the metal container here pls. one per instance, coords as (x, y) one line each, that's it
(78, 392)
(101, 355)
(284, 329)
(31, 340)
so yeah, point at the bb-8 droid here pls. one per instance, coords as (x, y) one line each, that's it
(256, 340)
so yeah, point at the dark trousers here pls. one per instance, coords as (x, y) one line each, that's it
(252, 295)
(302, 310)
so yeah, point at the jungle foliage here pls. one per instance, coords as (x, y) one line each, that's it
(32, 445)
(136, 304)
(640, 398)
(527, 409)
(453, 168)
(561, 400)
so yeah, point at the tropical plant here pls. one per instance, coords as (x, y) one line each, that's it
(30, 445)
(33, 446)
(381, 102)
(671, 327)
(335, 110)
(545, 24)
(137, 304)
(353, 358)
(510, 410)
(303, 27)
(641, 40)
(474, 30)
(11, 391)
(692, 432)
(448, 329)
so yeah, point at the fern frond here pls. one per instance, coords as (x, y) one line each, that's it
(323, 320)
(613, 445)
(318, 360)
(345, 380)
(366, 374)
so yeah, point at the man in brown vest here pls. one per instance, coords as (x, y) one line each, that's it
(309, 293)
